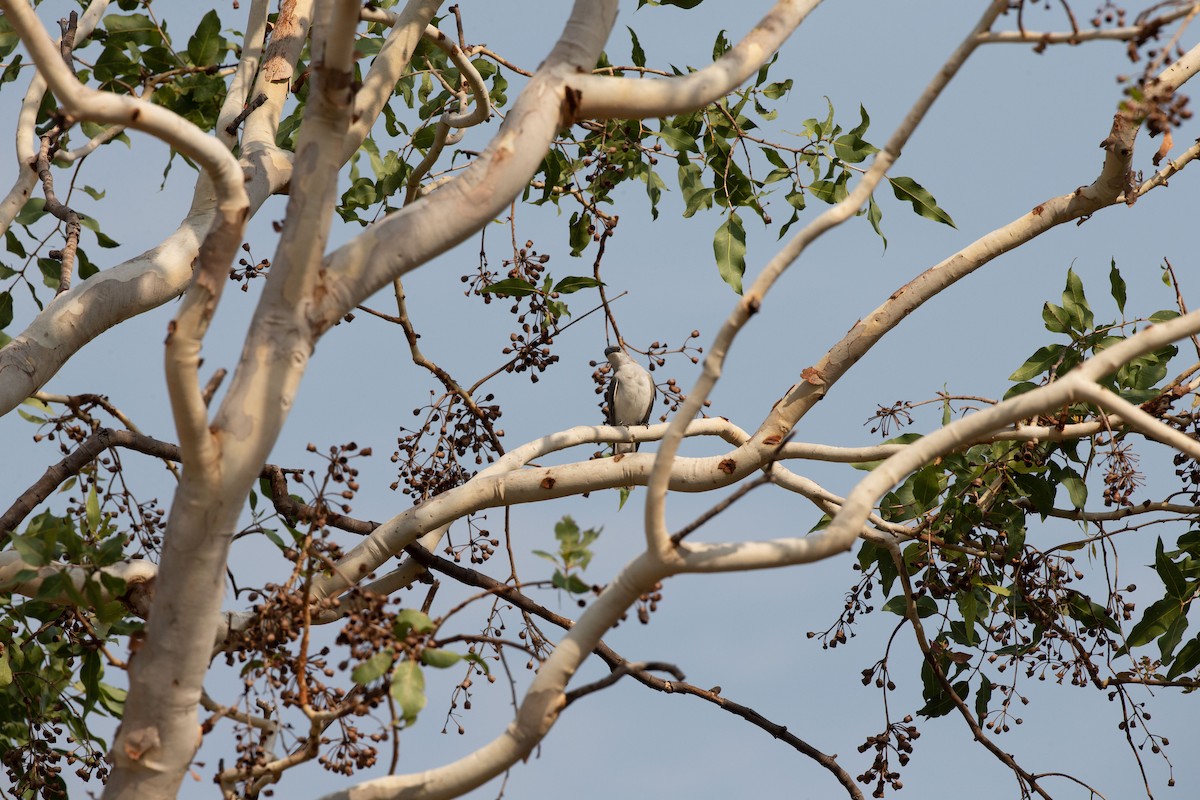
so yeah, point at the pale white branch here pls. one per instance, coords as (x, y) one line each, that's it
(20, 577)
(388, 65)
(15, 200)
(607, 97)
(238, 93)
(274, 79)
(1075, 385)
(80, 102)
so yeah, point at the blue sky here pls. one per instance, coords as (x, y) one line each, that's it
(1015, 128)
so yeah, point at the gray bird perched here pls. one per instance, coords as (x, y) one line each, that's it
(630, 395)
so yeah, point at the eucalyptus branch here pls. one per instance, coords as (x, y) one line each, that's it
(235, 108)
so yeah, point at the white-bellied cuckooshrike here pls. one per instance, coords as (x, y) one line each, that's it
(630, 395)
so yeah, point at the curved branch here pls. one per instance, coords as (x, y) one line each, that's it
(80, 102)
(606, 97)
(388, 65)
(1075, 385)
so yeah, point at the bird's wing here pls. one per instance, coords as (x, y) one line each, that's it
(649, 402)
(610, 413)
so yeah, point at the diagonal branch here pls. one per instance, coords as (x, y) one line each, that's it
(761, 448)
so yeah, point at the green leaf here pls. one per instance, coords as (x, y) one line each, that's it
(729, 247)
(830, 191)
(926, 606)
(696, 195)
(408, 690)
(438, 658)
(8, 38)
(1154, 622)
(275, 539)
(639, 55)
(6, 310)
(983, 696)
(33, 210)
(720, 46)
(580, 232)
(93, 511)
(875, 216)
(850, 148)
(571, 583)
(777, 90)
(373, 668)
(1186, 660)
(33, 549)
(6, 675)
(206, 44)
(137, 28)
(12, 71)
(511, 287)
(573, 283)
(1118, 286)
(968, 606)
(1056, 318)
(676, 136)
(926, 486)
(1091, 613)
(1172, 576)
(923, 203)
(1076, 305)
(1171, 638)
(1041, 361)
(1076, 488)
(864, 122)
(410, 619)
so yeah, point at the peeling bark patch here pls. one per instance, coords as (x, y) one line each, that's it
(727, 466)
(812, 375)
(1038, 209)
(171, 326)
(773, 439)
(138, 743)
(570, 106)
(135, 114)
(548, 482)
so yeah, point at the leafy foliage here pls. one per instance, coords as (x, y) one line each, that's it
(573, 556)
(999, 598)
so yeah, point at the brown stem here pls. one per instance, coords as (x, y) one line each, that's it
(1027, 779)
(67, 255)
(615, 661)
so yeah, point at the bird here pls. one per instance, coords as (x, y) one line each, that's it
(630, 395)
